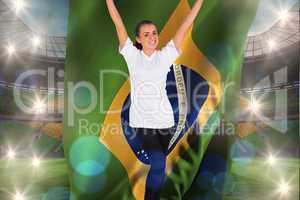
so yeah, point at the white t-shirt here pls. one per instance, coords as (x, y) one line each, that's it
(150, 106)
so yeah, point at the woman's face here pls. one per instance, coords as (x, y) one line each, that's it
(148, 37)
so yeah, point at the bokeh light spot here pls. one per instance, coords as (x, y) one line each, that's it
(82, 97)
(88, 156)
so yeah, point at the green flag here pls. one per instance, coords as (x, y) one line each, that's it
(103, 157)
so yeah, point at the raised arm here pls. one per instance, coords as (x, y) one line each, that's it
(116, 18)
(188, 21)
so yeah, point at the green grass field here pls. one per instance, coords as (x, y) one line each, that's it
(37, 183)
(253, 181)
(260, 181)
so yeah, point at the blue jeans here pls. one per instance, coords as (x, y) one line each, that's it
(155, 143)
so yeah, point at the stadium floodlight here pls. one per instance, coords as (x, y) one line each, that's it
(283, 15)
(10, 49)
(19, 196)
(39, 106)
(36, 161)
(36, 41)
(254, 106)
(283, 188)
(11, 154)
(19, 5)
(271, 44)
(271, 160)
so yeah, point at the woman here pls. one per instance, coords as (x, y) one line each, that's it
(151, 114)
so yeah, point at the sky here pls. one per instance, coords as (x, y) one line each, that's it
(50, 16)
(267, 14)
(45, 16)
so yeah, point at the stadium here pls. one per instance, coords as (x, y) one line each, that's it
(263, 153)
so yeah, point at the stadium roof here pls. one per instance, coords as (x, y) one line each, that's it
(282, 34)
(14, 32)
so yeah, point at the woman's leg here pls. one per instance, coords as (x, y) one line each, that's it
(150, 142)
(165, 136)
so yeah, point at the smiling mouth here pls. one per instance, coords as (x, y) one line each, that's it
(152, 42)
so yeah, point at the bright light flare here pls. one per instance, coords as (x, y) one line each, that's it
(271, 160)
(36, 162)
(36, 41)
(11, 154)
(283, 15)
(283, 188)
(254, 106)
(39, 106)
(19, 196)
(10, 49)
(271, 44)
(19, 5)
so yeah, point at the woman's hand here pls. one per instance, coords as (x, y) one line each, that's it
(116, 18)
(178, 38)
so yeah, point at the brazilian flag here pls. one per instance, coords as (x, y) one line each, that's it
(102, 152)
